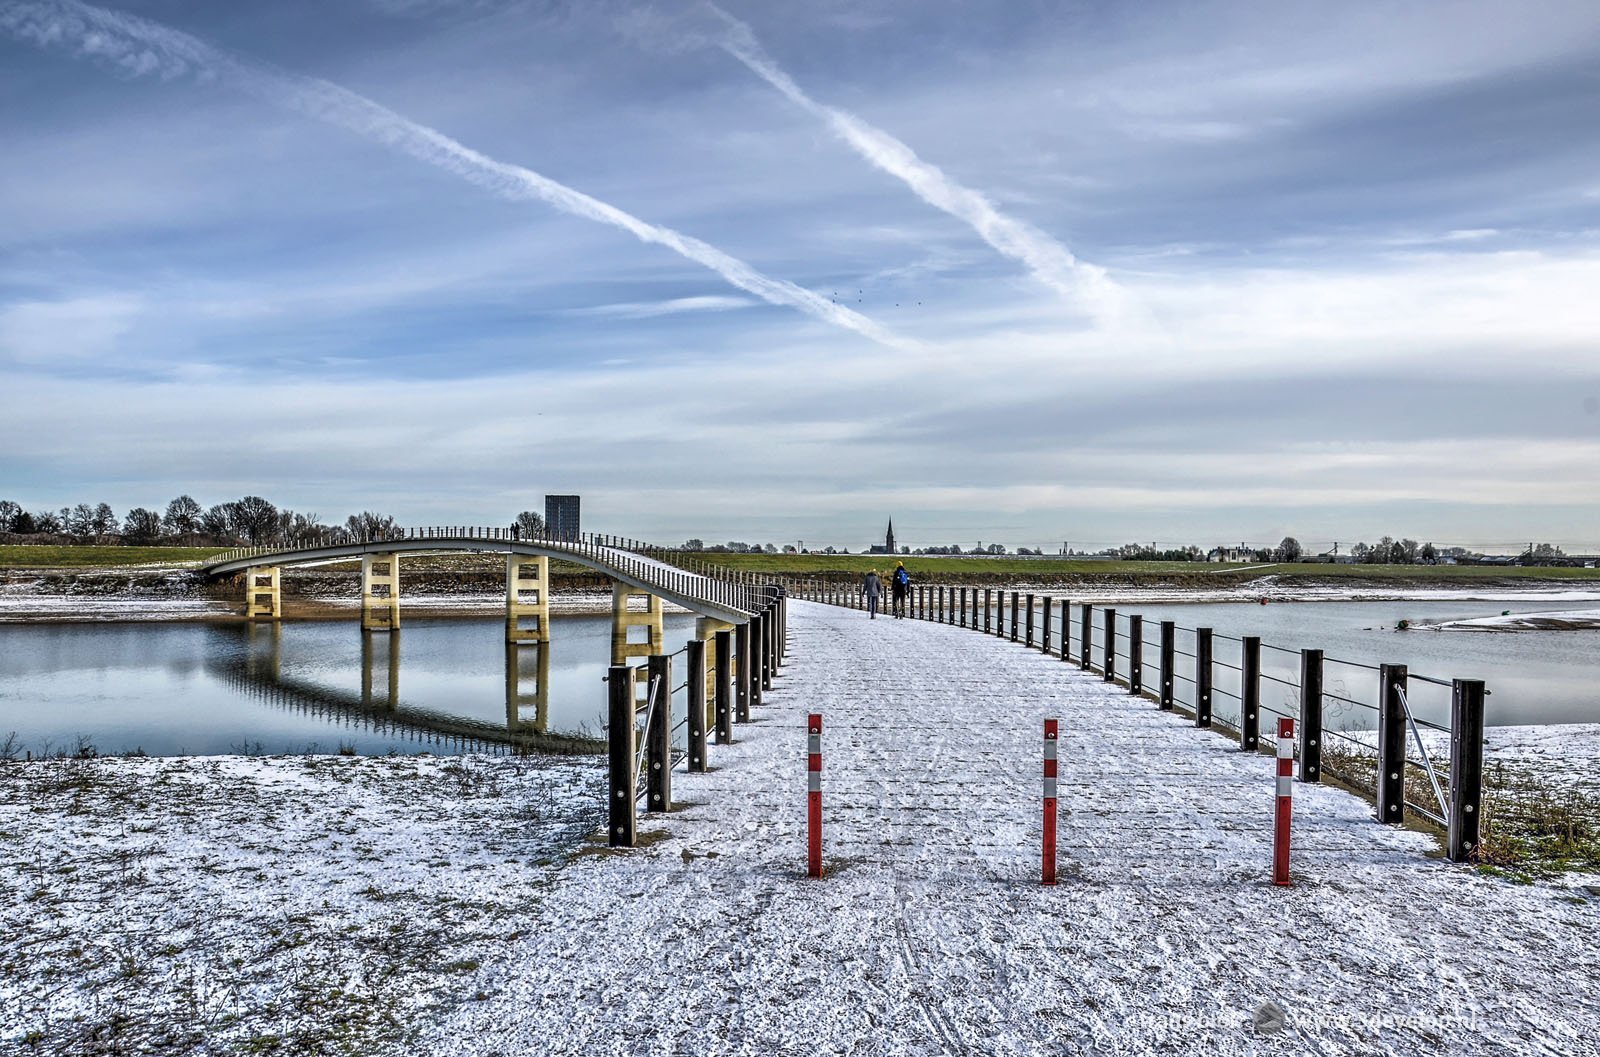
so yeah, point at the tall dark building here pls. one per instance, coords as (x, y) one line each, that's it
(561, 516)
(888, 542)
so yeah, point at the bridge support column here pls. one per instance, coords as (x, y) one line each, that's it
(263, 599)
(380, 592)
(650, 618)
(527, 599)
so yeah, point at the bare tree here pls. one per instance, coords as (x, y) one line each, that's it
(1289, 550)
(182, 517)
(141, 526)
(370, 526)
(530, 524)
(105, 521)
(218, 521)
(78, 520)
(254, 518)
(8, 515)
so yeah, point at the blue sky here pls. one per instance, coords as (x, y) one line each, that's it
(1028, 272)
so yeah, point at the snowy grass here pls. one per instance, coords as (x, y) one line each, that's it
(295, 905)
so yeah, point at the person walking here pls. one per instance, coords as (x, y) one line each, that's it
(899, 584)
(872, 587)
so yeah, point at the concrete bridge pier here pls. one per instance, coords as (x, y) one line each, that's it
(263, 598)
(527, 599)
(527, 686)
(627, 622)
(380, 592)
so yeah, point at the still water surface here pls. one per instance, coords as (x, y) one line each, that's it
(178, 688)
(1534, 677)
(200, 688)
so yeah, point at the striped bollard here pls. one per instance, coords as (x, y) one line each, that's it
(814, 796)
(1049, 877)
(1280, 835)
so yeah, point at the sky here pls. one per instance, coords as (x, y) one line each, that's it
(1033, 273)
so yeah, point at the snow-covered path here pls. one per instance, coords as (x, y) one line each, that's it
(932, 935)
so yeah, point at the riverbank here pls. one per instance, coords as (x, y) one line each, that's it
(462, 586)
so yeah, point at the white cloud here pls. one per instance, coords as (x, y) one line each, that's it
(66, 331)
(670, 307)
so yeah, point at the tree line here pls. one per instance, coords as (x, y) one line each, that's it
(248, 520)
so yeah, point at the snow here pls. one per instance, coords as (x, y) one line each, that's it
(209, 905)
(930, 935)
(1567, 620)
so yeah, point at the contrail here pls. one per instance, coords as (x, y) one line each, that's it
(142, 48)
(1049, 261)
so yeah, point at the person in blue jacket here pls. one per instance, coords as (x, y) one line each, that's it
(899, 584)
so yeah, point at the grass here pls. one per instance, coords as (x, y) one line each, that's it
(1007, 568)
(95, 557)
(1020, 569)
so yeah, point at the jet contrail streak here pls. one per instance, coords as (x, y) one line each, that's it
(1049, 261)
(142, 48)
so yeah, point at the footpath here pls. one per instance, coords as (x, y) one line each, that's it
(932, 935)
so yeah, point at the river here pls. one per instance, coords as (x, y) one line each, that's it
(177, 688)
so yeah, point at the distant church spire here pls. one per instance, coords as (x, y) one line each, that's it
(888, 539)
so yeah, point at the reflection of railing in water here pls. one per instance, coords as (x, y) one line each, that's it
(257, 673)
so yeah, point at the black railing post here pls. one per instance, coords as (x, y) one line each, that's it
(1202, 677)
(622, 744)
(1027, 621)
(1086, 634)
(1466, 768)
(1066, 628)
(963, 620)
(1249, 693)
(696, 662)
(658, 738)
(723, 654)
(758, 634)
(1044, 627)
(1391, 743)
(742, 641)
(988, 610)
(1311, 715)
(1108, 655)
(1000, 614)
(1135, 653)
(1014, 614)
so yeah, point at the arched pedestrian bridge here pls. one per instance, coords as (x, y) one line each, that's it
(725, 600)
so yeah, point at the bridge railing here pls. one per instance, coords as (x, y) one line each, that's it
(654, 566)
(1366, 725)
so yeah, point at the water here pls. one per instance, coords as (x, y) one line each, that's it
(182, 688)
(178, 688)
(1533, 677)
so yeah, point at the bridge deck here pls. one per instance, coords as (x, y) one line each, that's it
(932, 935)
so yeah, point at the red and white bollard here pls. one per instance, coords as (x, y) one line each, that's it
(814, 796)
(1280, 833)
(1049, 802)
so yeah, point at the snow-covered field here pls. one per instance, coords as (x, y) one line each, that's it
(266, 905)
(931, 934)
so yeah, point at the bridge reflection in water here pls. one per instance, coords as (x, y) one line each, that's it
(257, 672)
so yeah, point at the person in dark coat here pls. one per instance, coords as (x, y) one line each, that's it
(899, 584)
(872, 587)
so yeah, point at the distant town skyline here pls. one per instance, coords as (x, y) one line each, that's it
(1197, 272)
